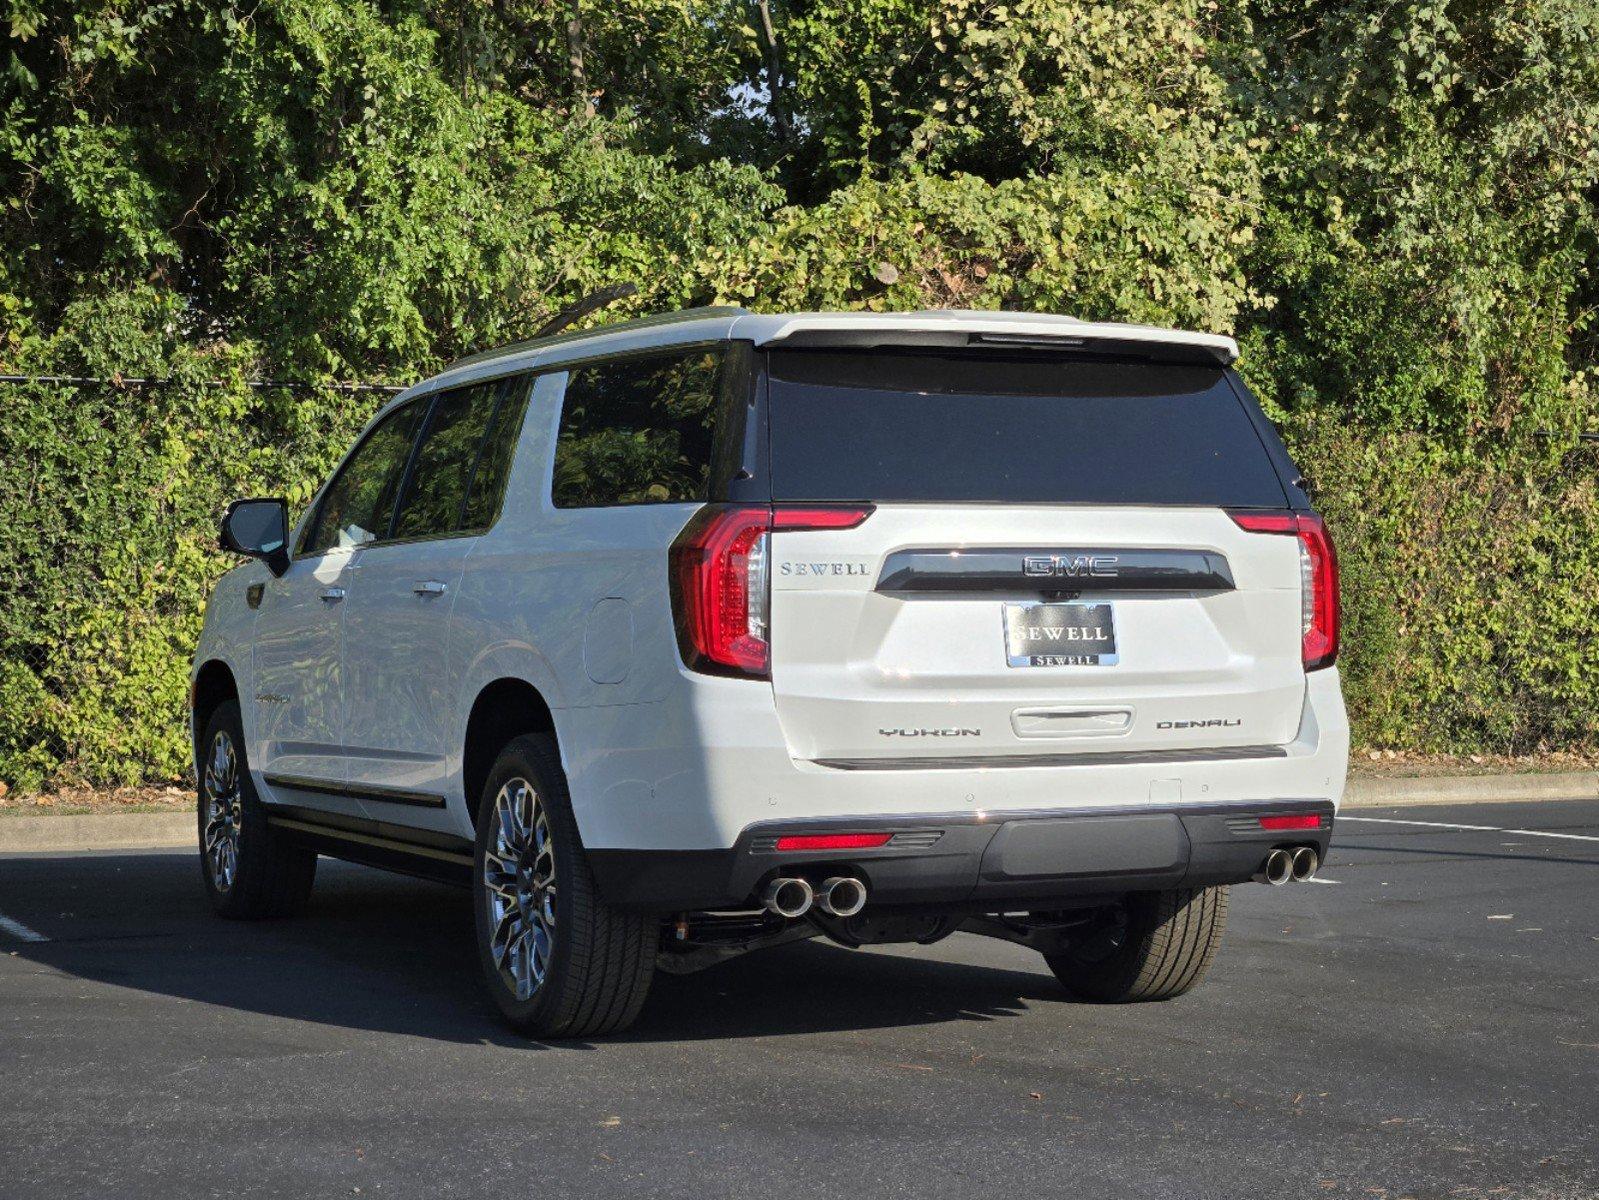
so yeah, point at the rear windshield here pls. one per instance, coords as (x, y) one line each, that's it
(921, 426)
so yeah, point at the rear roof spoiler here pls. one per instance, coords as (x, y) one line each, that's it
(1034, 331)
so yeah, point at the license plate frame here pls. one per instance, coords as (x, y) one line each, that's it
(1061, 626)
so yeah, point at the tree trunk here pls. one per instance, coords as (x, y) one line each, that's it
(574, 57)
(771, 52)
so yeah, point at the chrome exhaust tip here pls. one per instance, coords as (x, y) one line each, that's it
(788, 897)
(1277, 869)
(841, 896)
(1306, 861)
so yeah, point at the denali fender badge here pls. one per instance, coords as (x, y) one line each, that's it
(953, 731)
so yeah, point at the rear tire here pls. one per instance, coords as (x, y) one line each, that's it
(559, 961)
(250, 869)
(1162, 949)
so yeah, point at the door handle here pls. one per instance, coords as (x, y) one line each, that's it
(428, 587)
(332, 594)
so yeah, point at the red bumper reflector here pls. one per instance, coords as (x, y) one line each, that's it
(832, 841)
(1292, 821)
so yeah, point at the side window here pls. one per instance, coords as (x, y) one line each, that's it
(487, 490)
(637, 431)
(358, 503)
(445, 460)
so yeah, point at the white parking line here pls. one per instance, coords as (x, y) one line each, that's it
(1571, 837)
(20, 931)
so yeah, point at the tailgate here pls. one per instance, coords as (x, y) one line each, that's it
(1029, 633)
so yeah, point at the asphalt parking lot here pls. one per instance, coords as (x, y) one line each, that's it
(1423, 1023)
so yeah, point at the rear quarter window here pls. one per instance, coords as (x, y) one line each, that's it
(922, 426)
(637, 431)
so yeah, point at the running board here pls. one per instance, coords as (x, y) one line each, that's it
(435, 856)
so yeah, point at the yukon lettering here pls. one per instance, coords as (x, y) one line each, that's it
(958, 731)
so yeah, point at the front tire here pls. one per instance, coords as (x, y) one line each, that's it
(1156, 946)
(250, 869)
(559, 962)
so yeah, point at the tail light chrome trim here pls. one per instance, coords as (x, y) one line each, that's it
(721, 585)
(1320, 615)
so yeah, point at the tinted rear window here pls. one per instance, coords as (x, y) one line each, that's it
(887, 426)
(637, 431)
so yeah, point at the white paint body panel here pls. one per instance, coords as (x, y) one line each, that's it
(849, 660)
(661, 757)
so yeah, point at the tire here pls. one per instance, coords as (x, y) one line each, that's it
(559, 962)
(1161, 949)
(250, 869)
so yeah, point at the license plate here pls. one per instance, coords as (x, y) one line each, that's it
(1060, 635)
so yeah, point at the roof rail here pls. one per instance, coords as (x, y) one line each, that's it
(536, 343)
(593, 302)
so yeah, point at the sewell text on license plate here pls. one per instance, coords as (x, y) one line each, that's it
(1060, 635)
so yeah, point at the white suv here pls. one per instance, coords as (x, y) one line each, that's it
(690, 635)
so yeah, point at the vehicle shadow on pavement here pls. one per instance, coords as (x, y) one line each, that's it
(816, 987)
(383, 953)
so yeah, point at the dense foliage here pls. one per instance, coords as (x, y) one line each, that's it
(1391, 204)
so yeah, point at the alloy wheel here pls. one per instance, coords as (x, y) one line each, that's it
(224, 811)
(519, 884)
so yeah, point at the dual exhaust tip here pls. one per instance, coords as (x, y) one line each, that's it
(1280, 866)
(790, 896)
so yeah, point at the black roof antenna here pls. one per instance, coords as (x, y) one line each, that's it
(594, 300)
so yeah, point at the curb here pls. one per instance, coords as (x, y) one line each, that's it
(1471, 789)
(166, 830)
(97, 831)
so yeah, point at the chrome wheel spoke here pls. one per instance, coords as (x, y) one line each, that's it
(503, 889)
(518, 881)
(224, 811)
(505, 936)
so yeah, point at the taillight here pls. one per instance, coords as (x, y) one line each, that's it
(832, 841)
(1318, 580)
(1291, 821)
(721, 589)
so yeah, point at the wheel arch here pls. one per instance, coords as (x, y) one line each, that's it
(503, 709)
(214, 685)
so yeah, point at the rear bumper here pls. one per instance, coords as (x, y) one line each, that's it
(698, 771)
(978, 863)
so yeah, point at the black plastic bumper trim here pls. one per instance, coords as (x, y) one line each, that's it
(984, 863)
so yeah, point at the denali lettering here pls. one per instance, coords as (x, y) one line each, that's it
(1212, 723)
(1102, 566)
(959, 731)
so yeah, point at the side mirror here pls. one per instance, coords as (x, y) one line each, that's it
(260, 529)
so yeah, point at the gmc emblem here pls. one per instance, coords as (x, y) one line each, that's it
(1102, 566)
